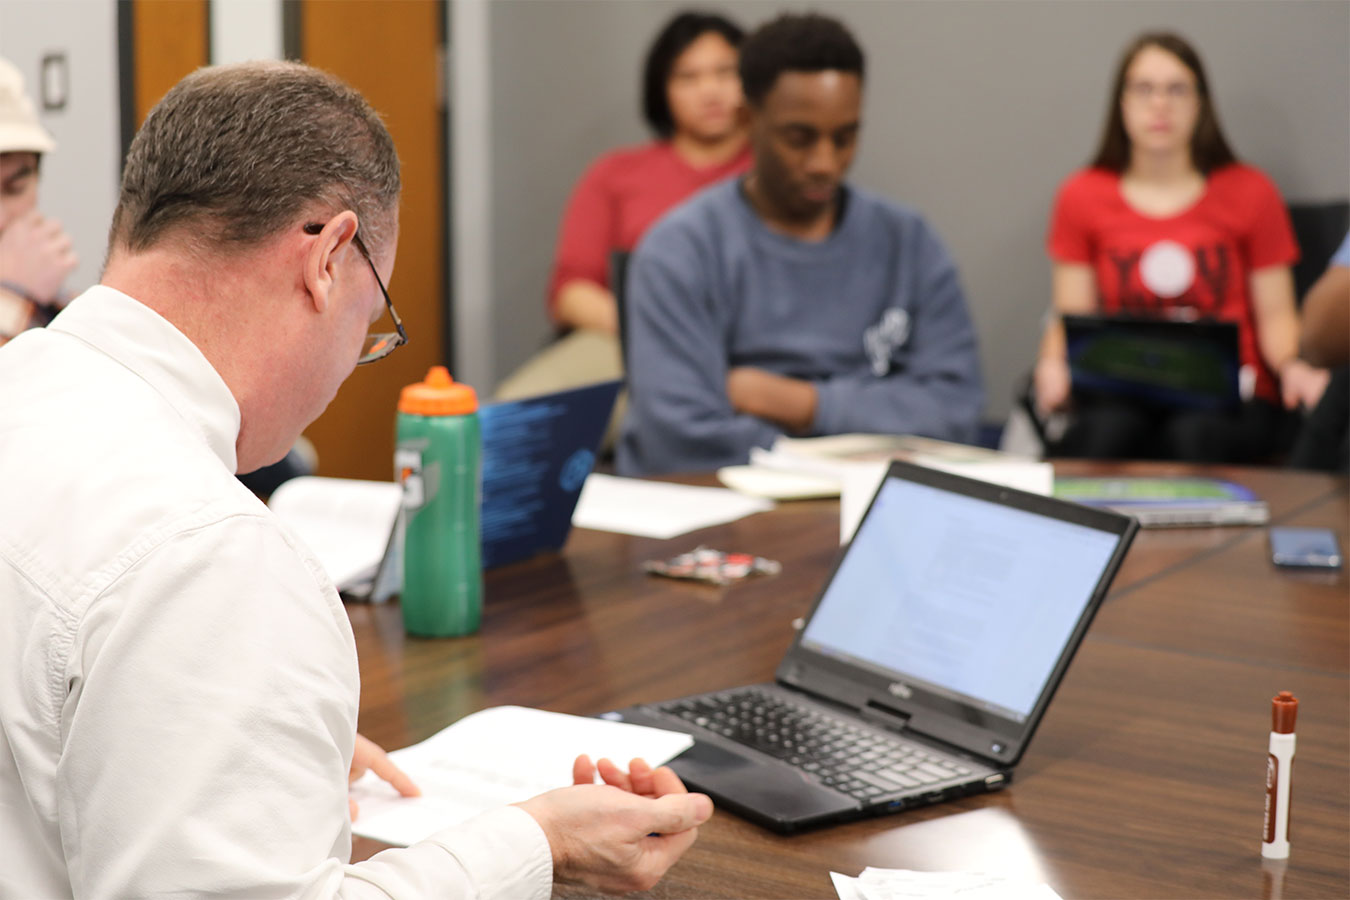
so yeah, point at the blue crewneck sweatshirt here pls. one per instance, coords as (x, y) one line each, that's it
(873, 316)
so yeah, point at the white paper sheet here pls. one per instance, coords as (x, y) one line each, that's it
(777, 484)
(494, 757)
(906, 884)
(847, 888)
(343, 521)
(657, 509)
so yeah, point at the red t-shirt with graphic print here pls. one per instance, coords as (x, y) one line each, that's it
(1199, 260)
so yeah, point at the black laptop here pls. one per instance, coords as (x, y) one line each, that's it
(925, 665)
(1171, 363)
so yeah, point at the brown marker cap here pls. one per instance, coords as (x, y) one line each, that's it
(1283, 711)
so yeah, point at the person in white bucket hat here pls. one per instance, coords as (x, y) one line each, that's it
(35, 251)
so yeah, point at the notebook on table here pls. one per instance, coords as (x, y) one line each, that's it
(1169, 502)
(537, 453)
(1167, 362)
(925, 666)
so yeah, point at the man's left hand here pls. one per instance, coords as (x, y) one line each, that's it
(789, 402)
(367, 756)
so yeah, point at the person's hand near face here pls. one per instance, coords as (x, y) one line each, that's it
(36, 254)
(36, 257)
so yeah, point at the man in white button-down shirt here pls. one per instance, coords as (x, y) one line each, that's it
(178, 679)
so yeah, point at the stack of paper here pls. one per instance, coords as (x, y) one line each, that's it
(905, 884)
(494, 757)
(344, 522)
(851, 467)
(1169, 502)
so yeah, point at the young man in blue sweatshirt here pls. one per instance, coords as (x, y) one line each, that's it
(789, 302)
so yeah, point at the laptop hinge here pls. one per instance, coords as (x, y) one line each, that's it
(888, 716)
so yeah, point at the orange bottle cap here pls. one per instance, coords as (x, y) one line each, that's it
(439, 395)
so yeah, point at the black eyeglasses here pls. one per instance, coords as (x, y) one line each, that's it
(377, 345)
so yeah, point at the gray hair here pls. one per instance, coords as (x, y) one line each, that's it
(236, 154)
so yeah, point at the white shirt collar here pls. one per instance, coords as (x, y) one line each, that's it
(150, 346)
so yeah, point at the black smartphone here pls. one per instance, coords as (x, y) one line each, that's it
(1305, 548)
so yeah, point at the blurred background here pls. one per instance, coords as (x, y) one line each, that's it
(975, 110)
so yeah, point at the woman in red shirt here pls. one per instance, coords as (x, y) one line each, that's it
(1166, 222)
(692, 101)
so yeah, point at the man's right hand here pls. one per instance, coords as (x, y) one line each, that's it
(622, 835)
(1052, 383)
(36, 255)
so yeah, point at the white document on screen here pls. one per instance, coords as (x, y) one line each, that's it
(494, 757)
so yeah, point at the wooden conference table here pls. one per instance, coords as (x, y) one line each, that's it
(1145, 779)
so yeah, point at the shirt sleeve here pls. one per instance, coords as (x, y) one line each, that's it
(585, 238)
(1342, 255)
(500, 854)
(937, 393)
(679, 415)
(207, 733)
(1069, 239)
(1270, 238)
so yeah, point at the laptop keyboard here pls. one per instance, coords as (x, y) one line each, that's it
(838, 753)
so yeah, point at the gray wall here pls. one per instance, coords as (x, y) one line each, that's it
(974, 113)
(79, 178)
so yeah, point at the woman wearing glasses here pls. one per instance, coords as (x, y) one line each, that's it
(1166, 222)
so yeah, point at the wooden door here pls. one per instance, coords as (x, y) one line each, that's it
(168, 39)
(390, 52)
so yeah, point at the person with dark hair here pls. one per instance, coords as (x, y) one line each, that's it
(178, 678)
(691, 100)
(790, 301)
(1167, 222)
(36, 254)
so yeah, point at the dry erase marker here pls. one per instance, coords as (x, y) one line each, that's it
(1283, 711)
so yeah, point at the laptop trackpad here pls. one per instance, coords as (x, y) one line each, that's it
(768, 788)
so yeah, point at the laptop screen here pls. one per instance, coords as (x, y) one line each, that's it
(1186, 365)
(969, 598)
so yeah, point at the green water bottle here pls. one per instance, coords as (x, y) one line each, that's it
(437, 463)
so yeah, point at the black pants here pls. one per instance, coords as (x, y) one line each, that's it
(1105, 427)
(1324, 441)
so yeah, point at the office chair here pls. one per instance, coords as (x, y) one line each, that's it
(618, 286)
(1319, 229)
